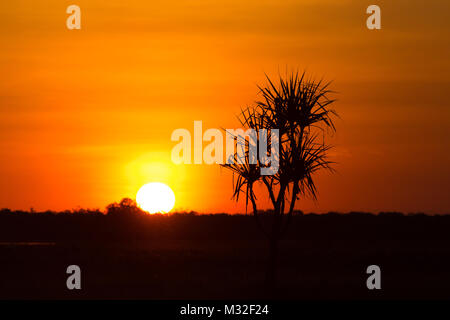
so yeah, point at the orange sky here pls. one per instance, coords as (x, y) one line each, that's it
(86, 115)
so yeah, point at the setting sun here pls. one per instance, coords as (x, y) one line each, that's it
(155, 197)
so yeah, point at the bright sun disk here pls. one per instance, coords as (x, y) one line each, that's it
(155, 197)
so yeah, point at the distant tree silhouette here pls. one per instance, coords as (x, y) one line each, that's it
(125, 207)
(299, 108)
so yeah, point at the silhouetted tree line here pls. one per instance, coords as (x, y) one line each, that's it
(126, 221)
(128, 208)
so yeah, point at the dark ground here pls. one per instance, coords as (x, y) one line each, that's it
(222, 257)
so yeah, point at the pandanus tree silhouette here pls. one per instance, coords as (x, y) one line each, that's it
(299, 108)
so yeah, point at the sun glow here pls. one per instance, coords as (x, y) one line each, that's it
(155, 197)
